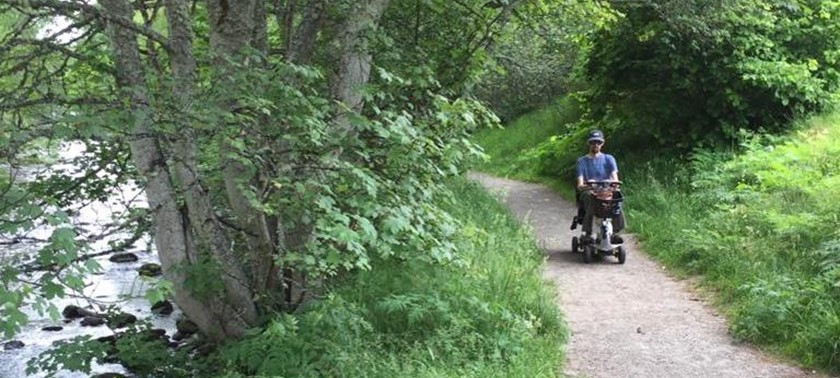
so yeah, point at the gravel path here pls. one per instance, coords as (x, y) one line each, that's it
(629, 320)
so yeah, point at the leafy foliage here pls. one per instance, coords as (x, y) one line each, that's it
(254, 135)
(408, 317)
(683, 72)
(533, 63)
(138, 348)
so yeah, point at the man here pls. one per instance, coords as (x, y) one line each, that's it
(595, 165)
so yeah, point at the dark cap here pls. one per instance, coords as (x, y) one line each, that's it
(596, 135)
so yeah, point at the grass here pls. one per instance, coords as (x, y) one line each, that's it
(757, 224)
(490, 314)
(760, 228)
(509, 149)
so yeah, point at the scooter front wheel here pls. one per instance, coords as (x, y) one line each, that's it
(588, 252)
(575, 244)
(622, 255)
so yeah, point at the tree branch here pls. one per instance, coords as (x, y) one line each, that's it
(76, 9)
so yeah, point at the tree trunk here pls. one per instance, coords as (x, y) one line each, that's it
(172, 235)
(260, 36)
(303, 44)
(231, 31)
(355, 61)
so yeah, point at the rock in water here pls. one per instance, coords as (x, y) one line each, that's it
(75, 312)
(150, 270)
(92, 321)
(108, 375)
(52, 328)
(123, 258)
(122, 320)
(162, 308)
(14, 344)
(186, 327)
(178, 336)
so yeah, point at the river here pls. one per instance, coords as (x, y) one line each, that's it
(117, 283)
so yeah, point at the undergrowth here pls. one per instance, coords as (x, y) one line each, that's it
(489, 315)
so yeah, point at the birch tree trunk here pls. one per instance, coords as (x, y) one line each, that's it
(355, 62)
(171, 228)
(232, 29)
(237, 296)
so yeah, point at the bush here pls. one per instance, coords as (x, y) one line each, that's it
(685, 72)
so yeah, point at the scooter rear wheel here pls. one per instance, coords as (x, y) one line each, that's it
(622, 255)
(575, 244)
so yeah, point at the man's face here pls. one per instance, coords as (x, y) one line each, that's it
(595, 146)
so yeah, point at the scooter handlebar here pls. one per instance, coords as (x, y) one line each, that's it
(602, 183)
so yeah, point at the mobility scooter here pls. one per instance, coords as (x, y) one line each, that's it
(608, 198)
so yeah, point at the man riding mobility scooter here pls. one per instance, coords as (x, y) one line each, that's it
(599, 203)
(607, 198)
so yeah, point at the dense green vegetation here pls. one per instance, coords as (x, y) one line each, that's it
(301, 160)
(510, 149)
(679, 73)
(760, 226)
(488, 315)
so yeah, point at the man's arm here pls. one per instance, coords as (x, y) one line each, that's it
(581, 186)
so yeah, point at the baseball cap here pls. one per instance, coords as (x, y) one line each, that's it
(596, 135)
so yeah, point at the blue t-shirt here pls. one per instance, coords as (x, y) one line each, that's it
(598, 168)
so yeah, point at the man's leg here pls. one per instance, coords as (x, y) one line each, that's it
(589, 212)
(578, 219)
(618, 225)
(618, 220)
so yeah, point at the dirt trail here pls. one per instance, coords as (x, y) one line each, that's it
(629, 320)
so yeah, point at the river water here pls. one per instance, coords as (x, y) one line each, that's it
(117, 283)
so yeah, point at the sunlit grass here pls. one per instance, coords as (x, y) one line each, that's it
(508, 148)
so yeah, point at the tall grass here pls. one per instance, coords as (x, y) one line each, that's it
(761, 227)
(488, 315)
(759, 224)
(510, 150)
